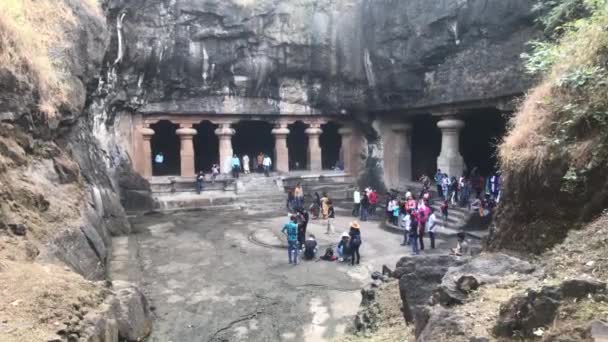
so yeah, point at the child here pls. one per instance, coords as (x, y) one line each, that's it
(444, 212)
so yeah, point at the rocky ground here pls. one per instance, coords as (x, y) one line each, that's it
(208, 281)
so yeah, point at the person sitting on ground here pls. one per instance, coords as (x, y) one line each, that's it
(329, 255)
(310, 248)
(343, 249)
(462, 247)
(200, 182)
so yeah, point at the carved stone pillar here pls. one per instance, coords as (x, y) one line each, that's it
(225, 133)
(146, 160)
(403, 151)
(281, 151)
(347, 153)
(186, 151)
(450, 161)
(314, 148)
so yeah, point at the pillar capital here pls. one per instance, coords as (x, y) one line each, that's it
(314, 130)
(225, 131)
(450, 123)
(185, 132)
(146, 132)
(280, 130)
(401, 127)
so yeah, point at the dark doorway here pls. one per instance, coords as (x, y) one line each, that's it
(330, 142)
(206, 146)
(479, 139)
(251, 138)
(165, 141)
(426, 145)
(297, 143)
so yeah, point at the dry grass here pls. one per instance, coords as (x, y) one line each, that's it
(38, 300)
(525, 146)
(32, 38)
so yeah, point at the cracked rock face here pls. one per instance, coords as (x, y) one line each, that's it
(313, 56)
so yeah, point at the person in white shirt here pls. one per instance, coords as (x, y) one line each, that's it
(431, 227)
(246, 164)
(267, 163)
(356, 203)
(406, 225)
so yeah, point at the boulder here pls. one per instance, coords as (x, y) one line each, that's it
(441, 323)
(131, 311)
(524, 313)
(418, 277)
(483, 269)
(581, 287)
(17, 229)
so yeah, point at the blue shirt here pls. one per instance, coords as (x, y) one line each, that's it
(236, 162)
(292, 231)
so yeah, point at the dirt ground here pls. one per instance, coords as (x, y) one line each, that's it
(208, 281)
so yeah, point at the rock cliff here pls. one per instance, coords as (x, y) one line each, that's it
(308, 56)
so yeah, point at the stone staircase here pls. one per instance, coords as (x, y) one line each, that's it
(260, 194)
(458, 217)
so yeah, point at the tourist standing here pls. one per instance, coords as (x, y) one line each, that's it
(324, 205)
(355, 241)
(414, 232)
(444, 212)
(431, 226)
(159, 161)
(445, 186)
(453, 190)
(260, 162)
(302, 226)
(364, 207)
(235, 163)
(315, 207)
(356, 203)
(267, 163)
(298, 193)
(438, 182)
(495, 186)
(291, 230)
(215, 171)
(331, 215)
(246, 164)
(373, 202)
(406, 225)
(200, 182)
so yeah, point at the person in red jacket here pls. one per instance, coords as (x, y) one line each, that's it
(373, 202)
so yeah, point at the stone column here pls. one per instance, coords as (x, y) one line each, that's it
(225, 133)
(281, 152)
(147, 157)
(346, 151)
(450, 161)
(314, 148)
(403, 151)
(186, 151)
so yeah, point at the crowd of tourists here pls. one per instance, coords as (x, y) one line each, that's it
(261, 164)
(321, 208)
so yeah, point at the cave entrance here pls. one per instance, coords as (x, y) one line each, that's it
(480, 138)
(426, 146)
(330, 142)
(297, 144)
(206, 146)
(165, 141)
(252, 138)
